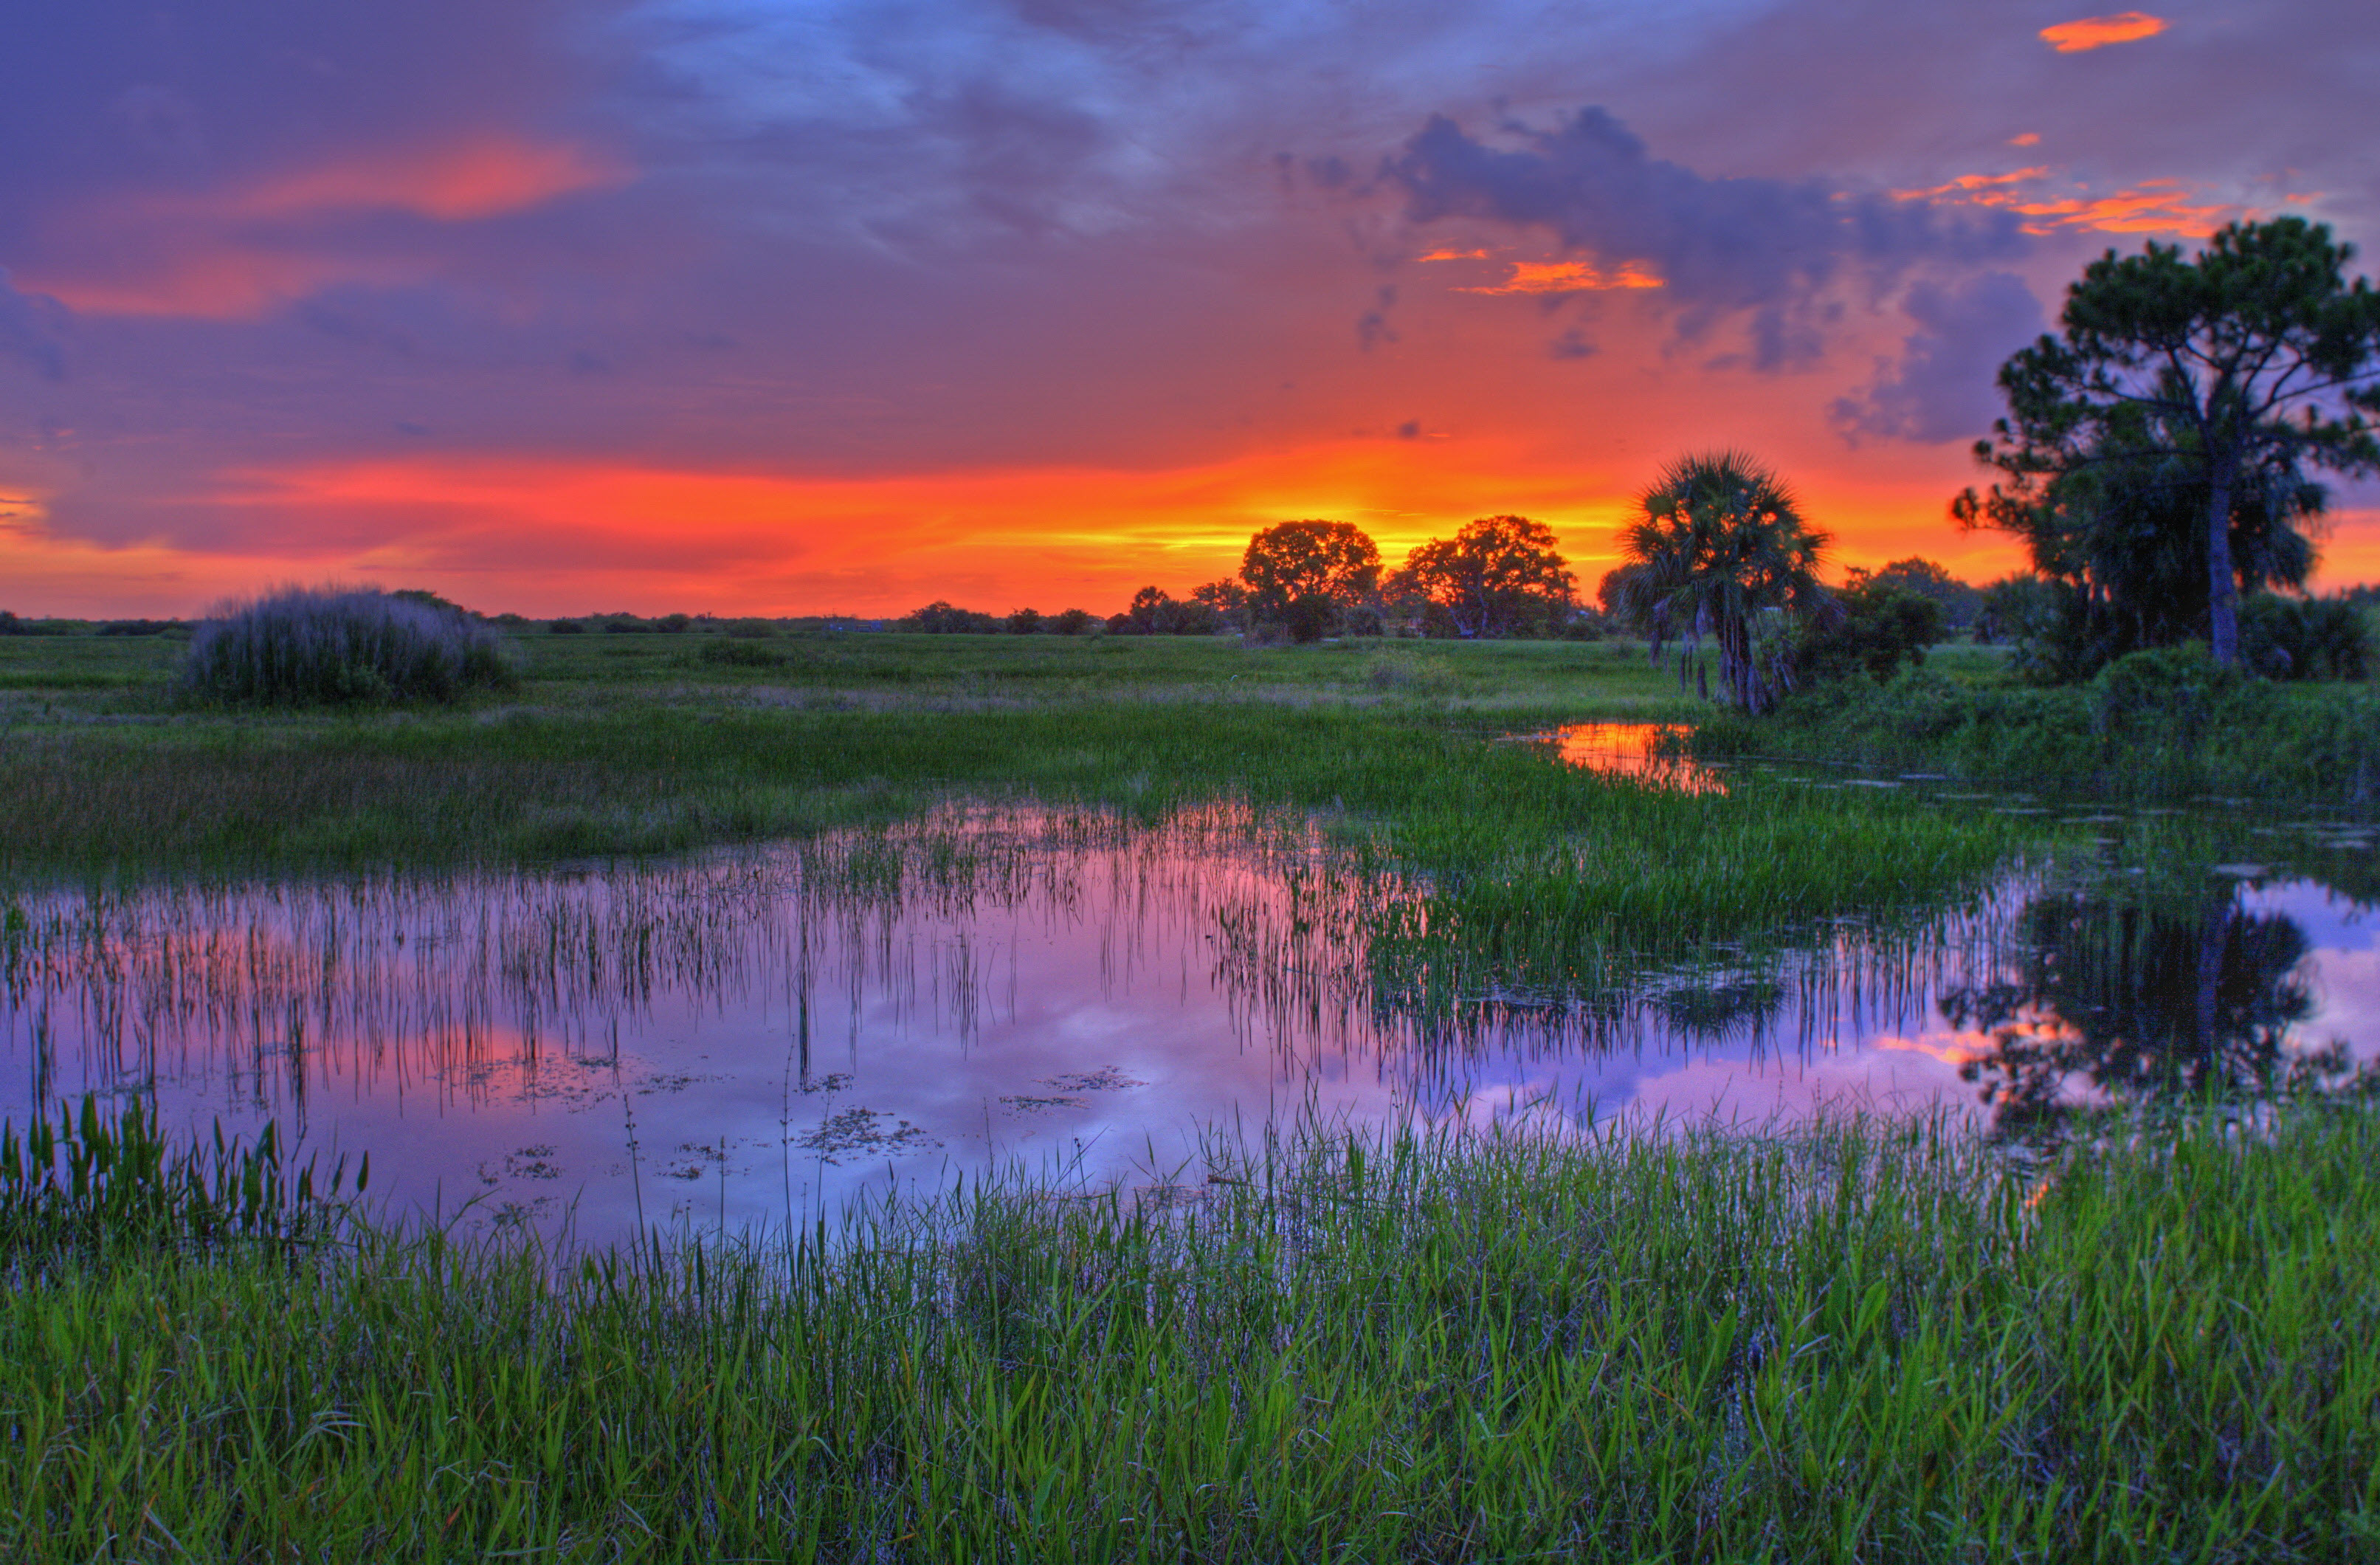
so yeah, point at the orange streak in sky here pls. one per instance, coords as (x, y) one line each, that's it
(2158, 206)
(1568, 276)
(2097, 32)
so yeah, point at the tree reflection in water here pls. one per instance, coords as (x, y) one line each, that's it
(2116, 1000)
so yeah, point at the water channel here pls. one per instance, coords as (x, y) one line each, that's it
(763, 1034)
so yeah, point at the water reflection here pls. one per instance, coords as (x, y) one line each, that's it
(2107, 1000)
(753, 1036)
(1637, 751)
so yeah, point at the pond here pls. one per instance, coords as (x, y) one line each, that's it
(762, 1035)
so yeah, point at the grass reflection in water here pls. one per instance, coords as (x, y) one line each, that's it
(749, 1033)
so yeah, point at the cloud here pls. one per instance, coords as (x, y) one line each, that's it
(2097, 32)
(1943, 388)
(1720, 246)
(239, 252)
(29, 327)
(2152, 206)
(1568, 276)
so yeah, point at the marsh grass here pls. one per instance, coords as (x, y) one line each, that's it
(103, 1182)
(1857, 1343)
(1527, 862)
(2303, 742)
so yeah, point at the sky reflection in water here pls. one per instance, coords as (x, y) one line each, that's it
(744, 1037)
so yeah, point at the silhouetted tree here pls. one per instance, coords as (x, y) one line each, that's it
(1717, 542)
(2180, 392)
(1498, 576)
(1331, 565)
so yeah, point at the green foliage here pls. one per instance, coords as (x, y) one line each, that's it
(734, 652)
(1857, 1343)
(2164, 695)
(1960, 603)
(2284, 638)
(2223, 733)
(1717, 540)
(99, 1185)
(332, 647)
(1881, 626)
(2165, 431)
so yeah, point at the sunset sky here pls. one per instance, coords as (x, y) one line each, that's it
(792, 305)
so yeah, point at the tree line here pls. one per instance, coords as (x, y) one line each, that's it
(1498, 577)
(2157, 461)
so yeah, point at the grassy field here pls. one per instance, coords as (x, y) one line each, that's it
(638, 744)
(1849, 1344)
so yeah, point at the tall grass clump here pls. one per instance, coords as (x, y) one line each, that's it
(109, 1185)
(339, 646)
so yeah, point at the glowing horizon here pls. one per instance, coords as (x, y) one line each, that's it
(658, 305)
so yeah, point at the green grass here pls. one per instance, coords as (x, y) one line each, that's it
(1847, 1345)
(628, 745)
(2317, 743)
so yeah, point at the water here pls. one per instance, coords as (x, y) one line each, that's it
(763, 1034)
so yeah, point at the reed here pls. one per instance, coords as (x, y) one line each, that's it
(1857, 1343)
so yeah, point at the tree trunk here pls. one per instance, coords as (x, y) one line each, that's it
(2222, 579)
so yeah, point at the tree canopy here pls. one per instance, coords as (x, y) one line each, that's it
(1498, 575)
(1333, 561)
(2176, 410)
(1717, 541)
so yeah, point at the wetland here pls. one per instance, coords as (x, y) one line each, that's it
(905, 1097)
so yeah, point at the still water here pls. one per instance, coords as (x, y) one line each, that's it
(761, 1035)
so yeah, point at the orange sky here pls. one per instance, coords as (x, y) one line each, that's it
(779, 314)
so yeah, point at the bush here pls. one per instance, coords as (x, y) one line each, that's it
(1882, 626)
(741, 654)
(1073, 622)
(338, 646)
(2305, 637)
(2165, 695)
(941, 618)
(566, 628)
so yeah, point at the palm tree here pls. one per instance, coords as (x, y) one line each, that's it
(1716, 543)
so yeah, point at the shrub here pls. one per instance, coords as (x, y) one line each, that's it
(336, 646)
(1882, 626)
(941, 618)
(566, 628)
(1073, 622)
(2305, 637)
(741, 654)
